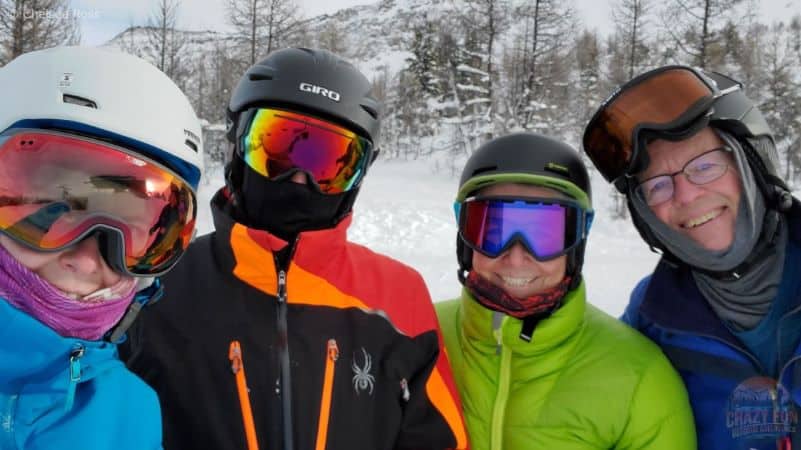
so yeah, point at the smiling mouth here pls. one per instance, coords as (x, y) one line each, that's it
(516, 282)
(698, 221)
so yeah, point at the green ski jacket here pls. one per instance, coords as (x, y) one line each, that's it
(585, 381)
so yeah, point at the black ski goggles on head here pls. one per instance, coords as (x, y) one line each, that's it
(278, 142)
(57, 188)
(546, 227)
(664, 99)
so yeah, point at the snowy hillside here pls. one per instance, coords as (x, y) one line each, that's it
(406, 212)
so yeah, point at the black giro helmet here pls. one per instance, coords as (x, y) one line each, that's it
(316, 82)
(526, 158)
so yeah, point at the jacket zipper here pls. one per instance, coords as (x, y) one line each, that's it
(332, 355)
(502, 395)
(283, 355)
(238, 368)
(75, 375)
(786, 442)
(7, 422)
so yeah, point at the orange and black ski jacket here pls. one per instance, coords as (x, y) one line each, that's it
(338, 350)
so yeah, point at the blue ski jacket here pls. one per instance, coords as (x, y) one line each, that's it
(737, 404)
(63, 393)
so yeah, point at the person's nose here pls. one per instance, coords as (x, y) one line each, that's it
(299, 177)
(84, 258)
(685, 191)
(517, 255)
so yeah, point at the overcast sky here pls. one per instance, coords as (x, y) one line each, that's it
(103, 19)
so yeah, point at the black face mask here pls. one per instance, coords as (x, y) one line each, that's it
(285, 208)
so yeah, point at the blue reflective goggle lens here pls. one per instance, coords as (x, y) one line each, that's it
(548, 228)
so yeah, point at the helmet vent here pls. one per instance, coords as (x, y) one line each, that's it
(481, 170)
(373, 113)
(191, 140)
(260, 77)
(80, 101)
(191, 145)
(558, 169)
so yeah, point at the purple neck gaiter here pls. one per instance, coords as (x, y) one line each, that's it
(88, 318)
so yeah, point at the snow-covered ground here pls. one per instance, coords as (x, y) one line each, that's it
(405, 210)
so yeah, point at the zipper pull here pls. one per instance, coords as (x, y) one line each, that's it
(238, 368)
(405, 389)
(333, 350)
(497, 331)
(282, 286)
(75, 375)
(235, 355)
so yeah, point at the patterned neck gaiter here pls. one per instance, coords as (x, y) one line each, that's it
(88, 318)
(496, 299)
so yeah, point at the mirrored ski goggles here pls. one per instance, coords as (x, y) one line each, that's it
(664, 99)
(546, 227)
(277, 142)
(56, 188)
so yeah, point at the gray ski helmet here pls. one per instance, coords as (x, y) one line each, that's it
(527, 158)
(732, 111)
(736, 114)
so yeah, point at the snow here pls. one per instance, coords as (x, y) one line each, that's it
(405, 210)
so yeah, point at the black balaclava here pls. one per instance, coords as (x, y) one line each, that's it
(282, 207)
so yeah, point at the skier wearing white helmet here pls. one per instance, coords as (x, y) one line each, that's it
(100, 157)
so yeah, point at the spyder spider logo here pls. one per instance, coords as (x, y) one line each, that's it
(362, 379)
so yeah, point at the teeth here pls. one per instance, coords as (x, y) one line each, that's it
(516, 282)
(702, 220)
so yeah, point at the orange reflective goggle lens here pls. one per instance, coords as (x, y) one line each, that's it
(277, 142)
(55, 189)
(661, 99)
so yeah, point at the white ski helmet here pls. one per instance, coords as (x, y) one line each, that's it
(104, 94)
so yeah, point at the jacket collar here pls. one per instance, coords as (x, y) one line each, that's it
(673, 301)
(478, 326)
(44, 355)
(251, 253)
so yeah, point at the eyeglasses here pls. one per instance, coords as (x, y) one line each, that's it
(279, 142)
(704, 168)
(57, 188)
(546, 227)
(664, 99)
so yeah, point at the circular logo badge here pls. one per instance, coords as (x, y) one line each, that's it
(760, 408)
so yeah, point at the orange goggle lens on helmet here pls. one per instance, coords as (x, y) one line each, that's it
(277, 142)
(56, 188)
(663, 99)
